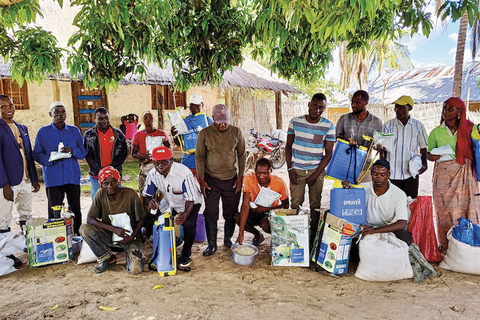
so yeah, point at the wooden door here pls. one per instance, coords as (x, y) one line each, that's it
(85, 101)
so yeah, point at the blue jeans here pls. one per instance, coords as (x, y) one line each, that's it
(100, 241)
(94, 186)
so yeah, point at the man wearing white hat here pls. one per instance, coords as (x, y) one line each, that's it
(61, 176)
(410, 139)
(195, 103)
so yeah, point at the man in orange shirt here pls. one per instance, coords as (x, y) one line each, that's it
(256, 215)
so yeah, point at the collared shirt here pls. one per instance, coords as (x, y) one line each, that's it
(107, 140)
(65, 171)
(349, 127)
(18, 137)
(408, 140)
(308, 148)
(177, 187)
(386, 209)
(251, 185)
(441, 136)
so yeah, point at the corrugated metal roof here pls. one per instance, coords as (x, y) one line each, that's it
(432, 84)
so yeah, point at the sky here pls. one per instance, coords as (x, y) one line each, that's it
(436, 50)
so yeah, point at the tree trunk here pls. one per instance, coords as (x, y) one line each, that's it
(457, 77)
(278, 110)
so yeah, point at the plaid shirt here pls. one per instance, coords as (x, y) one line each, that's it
(348, 127)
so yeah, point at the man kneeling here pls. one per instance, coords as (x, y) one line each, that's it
(386, 204)
(114, 199)
(257, 216)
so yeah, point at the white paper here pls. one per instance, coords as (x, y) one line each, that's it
(446, 149)
(121, 220)
(153, 142)
(267, 197)
(54, 155)
(176, 121)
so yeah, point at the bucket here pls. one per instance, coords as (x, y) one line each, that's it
(201, 235)
(346, 162)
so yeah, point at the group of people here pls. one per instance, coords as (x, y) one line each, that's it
(215, 170)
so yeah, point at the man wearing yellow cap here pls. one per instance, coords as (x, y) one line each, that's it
(180, 192)
(410, 140)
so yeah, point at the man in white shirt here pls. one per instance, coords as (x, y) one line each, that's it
(386, 204)
(177, 184)
(410, 139)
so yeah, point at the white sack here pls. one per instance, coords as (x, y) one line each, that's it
(121, 220)
(461, 257)
(86, 254)
(383, 257)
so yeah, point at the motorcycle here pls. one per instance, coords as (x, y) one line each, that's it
(266, 146)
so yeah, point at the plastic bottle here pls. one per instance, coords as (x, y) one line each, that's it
(60, 146)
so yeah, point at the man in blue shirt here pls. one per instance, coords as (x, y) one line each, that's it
(195, 103)
(62, 176)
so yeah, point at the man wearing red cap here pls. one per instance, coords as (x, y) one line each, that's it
(113, 199)
(219, 147)
(180, 193)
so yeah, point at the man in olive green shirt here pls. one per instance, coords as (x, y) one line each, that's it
(219, 147)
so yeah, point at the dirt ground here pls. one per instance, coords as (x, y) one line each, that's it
(217, 288)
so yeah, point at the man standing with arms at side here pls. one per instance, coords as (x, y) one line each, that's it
(195, 103)
(106, 146)
(17, 170)
(61, 177)
(358, 123)
(309, 148)
(410, 138)
(219, 147)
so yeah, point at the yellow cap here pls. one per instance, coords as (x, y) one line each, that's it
(403, 100)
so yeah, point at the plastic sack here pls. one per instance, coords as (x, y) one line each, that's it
(6, 265)
(467, 232)
(414, 165)
(153, 142)
(384, 139)
(11, 243)
(120, 220)
(86, 254)
(461, 257)
(422, 229)
(383, 257)
(176, 121)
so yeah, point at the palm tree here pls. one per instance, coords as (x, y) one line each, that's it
(381, 54)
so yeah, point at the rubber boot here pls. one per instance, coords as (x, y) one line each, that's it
(229, 229)
(211, 230)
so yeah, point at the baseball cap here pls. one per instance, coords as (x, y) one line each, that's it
(195, 98)
(161, 153)
(403, 100)
(220, 114)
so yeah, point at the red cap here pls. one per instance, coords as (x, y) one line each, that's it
(161, 153)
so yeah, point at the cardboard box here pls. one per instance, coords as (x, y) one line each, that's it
(49, 241)
(335, 244)
(289, 238)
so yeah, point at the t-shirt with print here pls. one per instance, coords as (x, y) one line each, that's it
(308, 147)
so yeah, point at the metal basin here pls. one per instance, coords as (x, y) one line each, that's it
(243, 260)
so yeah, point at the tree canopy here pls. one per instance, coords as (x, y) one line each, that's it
(202, 39)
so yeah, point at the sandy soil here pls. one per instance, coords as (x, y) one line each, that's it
(217, 288)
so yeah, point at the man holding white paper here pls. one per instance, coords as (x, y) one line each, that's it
(262, 192)
(410, 139)
(111, 200)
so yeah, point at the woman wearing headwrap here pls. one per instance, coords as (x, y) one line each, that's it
(113, 199)
(454, 183)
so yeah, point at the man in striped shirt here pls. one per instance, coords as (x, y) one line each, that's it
(177, 184)
(309, 149)
(410, 139)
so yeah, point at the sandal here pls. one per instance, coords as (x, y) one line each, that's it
(105, 265)
(256, 242)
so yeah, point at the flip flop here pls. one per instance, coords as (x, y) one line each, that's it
(256, 242)
(104, 266)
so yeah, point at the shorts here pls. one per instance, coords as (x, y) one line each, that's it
(254, 218)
